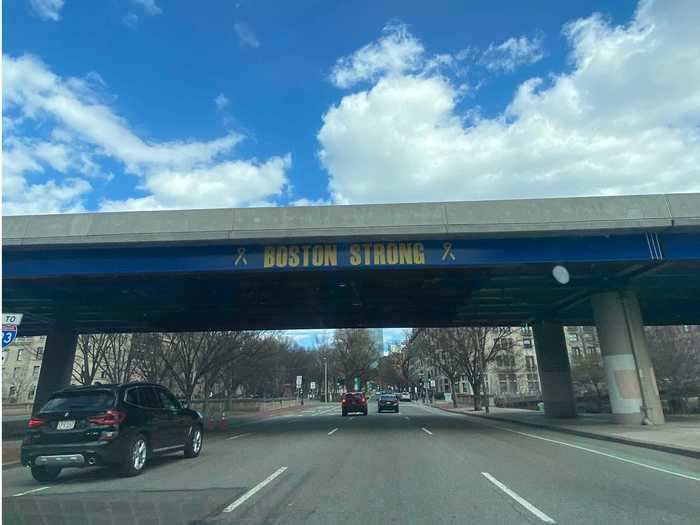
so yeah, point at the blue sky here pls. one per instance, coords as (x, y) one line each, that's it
(122, 105)
(148, 104)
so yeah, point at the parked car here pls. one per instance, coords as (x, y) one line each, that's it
(388, 402)
(405, 396)
(121, 425)
(354, 402)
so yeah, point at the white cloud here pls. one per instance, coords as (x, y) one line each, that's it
(131, 19)
(221, 101)
(47, 9)
(227, 184)
(512, 53)
(246, 36)
(624, 120)
(46, 198)
(396, 52)
(310, 202)
(149, 7)
(81, 128)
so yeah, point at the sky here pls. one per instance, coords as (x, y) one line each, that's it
(125, 105)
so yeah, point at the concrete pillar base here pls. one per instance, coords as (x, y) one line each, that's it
(628, 419)
(56, 366)
(630, 374)
(554, 369)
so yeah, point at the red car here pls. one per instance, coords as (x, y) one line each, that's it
(354, 402)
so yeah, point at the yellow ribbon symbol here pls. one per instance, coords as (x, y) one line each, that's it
(240, 257)
(447, 246)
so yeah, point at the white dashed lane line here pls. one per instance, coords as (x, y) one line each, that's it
(426, 431)
(239, 436)
(332, 431)
(529, 506)
(31, 491)
(245, 497)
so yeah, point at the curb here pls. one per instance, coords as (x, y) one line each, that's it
(582, 433)
(8, 466)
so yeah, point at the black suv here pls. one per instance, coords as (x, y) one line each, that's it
(117, 425)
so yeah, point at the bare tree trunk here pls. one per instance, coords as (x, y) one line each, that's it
(454, 394)
(476, 389)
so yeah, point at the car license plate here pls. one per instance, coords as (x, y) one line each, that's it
(68, 424)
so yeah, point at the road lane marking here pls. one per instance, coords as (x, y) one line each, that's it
(529, 506)
(245, 497)
(406, 417)
(332, 431)
(239, 436)
(30, 491)
(593, 451)
(426, 431)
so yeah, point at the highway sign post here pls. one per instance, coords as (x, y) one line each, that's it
(10, 322)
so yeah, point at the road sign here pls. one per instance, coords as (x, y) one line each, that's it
(313, 385)
(298, 381)
(10, 322)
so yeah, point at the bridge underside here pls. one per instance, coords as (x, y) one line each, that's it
(500, 295)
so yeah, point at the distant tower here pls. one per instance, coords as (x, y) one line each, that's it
(377, 336)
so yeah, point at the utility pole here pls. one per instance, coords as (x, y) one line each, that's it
(325, 376)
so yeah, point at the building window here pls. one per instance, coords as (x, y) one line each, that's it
(525, 330)
(527, 343)
(576, 351)
(532, 383)
(16, 372)
(503, 383)
(35, 371)
(505, 361)
(30, 394)
(13, 391)
(573, 337)
(20, 351)
(39, 354)
(571, 329)
(530, 362)
(512, 383)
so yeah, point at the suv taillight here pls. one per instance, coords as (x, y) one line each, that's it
(37, 422)
(111, 417)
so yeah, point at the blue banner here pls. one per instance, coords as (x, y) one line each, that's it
(360, 255)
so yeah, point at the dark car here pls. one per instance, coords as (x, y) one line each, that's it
(354, 402)
(113, 425)
(388, 402)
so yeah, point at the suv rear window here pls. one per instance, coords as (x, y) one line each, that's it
(388, 397)
(90, 400)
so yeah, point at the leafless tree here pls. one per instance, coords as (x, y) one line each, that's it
(477, 347)
(587, 372)
(675, 354)
(119, 363)
(90, 355)
(437, 348)
(356, 354)
(148, 357)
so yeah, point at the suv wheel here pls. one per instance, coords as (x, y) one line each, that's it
(45, 474)
(193, 446)
(136, 453)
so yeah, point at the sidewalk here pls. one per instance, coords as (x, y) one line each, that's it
(10, 453)
(680, 434)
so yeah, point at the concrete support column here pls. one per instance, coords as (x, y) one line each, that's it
(56, 366)
(554, 369)
(630, 374)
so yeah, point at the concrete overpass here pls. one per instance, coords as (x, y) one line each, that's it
(441, 264)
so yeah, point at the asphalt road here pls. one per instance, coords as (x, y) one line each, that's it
(420, 466)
